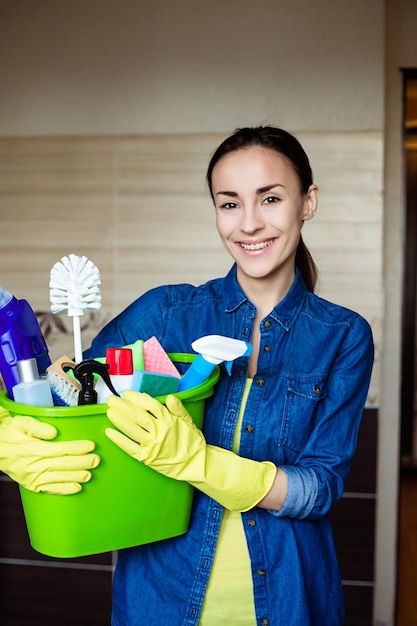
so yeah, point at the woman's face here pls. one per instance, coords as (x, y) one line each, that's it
(260, 210)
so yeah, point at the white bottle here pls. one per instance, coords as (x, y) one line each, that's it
(120, 364)
(32, 390)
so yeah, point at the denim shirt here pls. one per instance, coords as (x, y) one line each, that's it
(303, 413)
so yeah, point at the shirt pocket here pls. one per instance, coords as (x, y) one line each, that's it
(303, 396)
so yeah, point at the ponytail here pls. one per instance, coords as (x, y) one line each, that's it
(305, 263)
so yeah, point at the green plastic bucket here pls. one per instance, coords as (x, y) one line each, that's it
(125, 503)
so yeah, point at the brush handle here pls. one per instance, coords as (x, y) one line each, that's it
(78, 351)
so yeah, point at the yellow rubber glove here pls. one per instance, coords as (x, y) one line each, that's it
(55, 467)
(166, 439)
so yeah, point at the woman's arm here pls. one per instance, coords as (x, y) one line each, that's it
(315, 477)
(275, 498)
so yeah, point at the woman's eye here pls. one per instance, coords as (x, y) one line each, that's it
(228, 205)
(271, 200)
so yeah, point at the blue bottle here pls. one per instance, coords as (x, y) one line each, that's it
(20, 338)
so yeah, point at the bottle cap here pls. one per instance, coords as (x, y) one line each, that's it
(5, 297)
(28, 370)
(120, 361)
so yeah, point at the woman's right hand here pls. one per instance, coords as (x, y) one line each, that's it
(30, 457)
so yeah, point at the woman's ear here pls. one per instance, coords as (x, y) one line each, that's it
(310, 202)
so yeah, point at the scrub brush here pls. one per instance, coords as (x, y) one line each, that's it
(75, 285)
(65, 389)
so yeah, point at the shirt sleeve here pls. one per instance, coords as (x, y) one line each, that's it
(316, 479)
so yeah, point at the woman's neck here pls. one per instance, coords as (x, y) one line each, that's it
(265, 293)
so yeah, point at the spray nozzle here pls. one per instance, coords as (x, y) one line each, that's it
(84, 373)
(212, 350)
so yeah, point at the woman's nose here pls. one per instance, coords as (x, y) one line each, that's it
(251, 220)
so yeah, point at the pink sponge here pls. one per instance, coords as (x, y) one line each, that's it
(156, 359)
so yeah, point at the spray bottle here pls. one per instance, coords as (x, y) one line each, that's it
(84, 373)
(120, 369)
(21, 338)
(212, 350)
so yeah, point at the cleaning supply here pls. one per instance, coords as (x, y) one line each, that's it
(120, 371)
(166, 439)
(154, 384)
(32, 389)
(29, 457)
(20, 338)
(84, 373)
(125, 503)
(65, 389)
(75, 286)
(156, 359)
(127, 367)
(213, 350)
(137, 354)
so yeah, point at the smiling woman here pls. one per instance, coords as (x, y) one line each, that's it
(268, 146)
(279, 433)
(260, 218)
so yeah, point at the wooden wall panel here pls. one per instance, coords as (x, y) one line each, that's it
(139, 209)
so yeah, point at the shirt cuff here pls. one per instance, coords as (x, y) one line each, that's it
(301, 494)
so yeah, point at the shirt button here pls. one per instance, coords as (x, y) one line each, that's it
(252, 522)
(260, 382)
(268, 324)
(261, 572)
(249, 429)
(265, 622)
(267, 348)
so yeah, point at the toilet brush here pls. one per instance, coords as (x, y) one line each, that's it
(75, 286)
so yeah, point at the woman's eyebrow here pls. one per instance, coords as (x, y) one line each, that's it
(234, 194)
(269, 187)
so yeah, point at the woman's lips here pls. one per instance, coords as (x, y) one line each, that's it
(255, 247)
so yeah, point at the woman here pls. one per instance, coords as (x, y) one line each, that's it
(279, 433)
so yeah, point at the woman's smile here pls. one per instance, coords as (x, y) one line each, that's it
(256, 246)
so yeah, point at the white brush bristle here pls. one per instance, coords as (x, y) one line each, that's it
(74, 285)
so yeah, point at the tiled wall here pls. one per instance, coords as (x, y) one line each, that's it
(138, 208)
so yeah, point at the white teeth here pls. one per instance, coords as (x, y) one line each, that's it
(256, 246)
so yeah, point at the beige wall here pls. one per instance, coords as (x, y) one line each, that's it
(135, 66)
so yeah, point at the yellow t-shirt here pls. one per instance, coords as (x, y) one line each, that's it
(229, 595)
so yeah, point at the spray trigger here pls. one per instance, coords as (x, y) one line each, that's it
(84, 373)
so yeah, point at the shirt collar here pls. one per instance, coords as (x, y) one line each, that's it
(285, 313)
